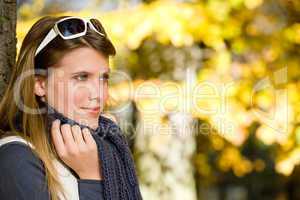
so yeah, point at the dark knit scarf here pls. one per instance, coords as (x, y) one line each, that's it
(118, 171)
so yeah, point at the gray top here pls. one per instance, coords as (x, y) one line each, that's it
(23, 176)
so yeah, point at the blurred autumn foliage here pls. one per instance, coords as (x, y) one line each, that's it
(232, 66)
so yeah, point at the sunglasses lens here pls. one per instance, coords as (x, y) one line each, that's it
(97, 25)
(71, 27)
(94, 22)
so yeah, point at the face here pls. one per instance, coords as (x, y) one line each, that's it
(77, 85)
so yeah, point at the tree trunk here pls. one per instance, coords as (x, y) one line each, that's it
(165, 167)
(8, 40)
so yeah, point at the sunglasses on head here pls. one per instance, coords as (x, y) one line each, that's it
(68, 28)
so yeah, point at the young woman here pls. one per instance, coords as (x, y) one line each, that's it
(55, 144)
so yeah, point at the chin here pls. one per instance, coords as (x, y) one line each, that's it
(91, 121)
(93, 125)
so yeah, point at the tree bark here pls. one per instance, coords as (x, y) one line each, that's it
(165, 167)
(8, 40)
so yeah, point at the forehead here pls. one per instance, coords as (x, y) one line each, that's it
(83, 59)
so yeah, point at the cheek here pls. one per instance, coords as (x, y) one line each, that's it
(56, 93)
(105, 92)
(58, 96)
(66, 95)
(79, 97)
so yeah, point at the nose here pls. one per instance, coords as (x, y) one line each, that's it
(97, 90)
(94, 93)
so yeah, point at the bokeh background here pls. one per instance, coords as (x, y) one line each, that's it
(206, 91)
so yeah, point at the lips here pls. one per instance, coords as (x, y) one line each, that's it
(96, 108)
(93, 110)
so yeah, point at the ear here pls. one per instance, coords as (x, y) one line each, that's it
(40, 86)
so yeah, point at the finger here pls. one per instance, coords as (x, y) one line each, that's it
(57, 137)
(88, 138)
(68, 137)
(77, 134)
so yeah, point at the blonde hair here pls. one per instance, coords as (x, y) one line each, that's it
(34, 126)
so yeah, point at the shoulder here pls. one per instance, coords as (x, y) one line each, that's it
(22, 173)
(15, 156)
(15, 150)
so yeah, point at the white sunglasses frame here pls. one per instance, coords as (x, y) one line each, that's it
(55, 31)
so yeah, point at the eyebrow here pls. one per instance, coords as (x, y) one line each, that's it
(86, 72)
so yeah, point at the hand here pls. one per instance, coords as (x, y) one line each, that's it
(77, 149)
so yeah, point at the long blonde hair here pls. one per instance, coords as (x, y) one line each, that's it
(34, 126)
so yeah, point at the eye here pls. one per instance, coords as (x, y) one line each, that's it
(104, 77)
(81, 77)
